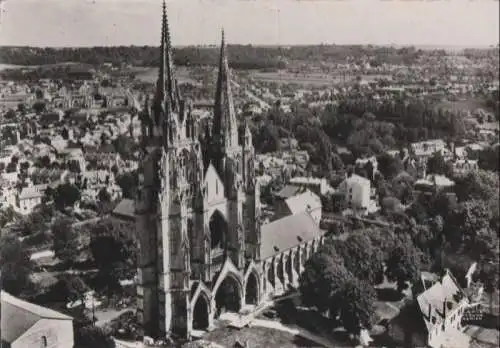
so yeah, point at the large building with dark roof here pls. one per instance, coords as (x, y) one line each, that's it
(203, 249)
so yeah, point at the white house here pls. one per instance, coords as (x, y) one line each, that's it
(464, 166)
(25, 324)
(357, 191)
(30, 197)
(429, 147)
(442, 306)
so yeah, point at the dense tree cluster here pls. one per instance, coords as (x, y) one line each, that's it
(242, 56)
(365, 126)
(339, 279)
(15, 265)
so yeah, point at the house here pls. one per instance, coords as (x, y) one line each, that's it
(317, 185)
(293, 200)
(357, 191)
(464, 166)
(25, 324)
(30, 197)
(442, 307)
(428, 148)
(434, 182)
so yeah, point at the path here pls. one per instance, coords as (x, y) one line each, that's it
(41, 254)
(294, 330)
(490, 336)
(105, 316)
(237, 320)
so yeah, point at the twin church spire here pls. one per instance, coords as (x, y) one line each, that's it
(168, 102)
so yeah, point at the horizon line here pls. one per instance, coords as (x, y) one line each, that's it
(418, 46)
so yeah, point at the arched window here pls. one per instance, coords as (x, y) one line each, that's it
(44, 342)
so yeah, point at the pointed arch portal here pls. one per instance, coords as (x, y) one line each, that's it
(252, 289)
(218, 231)
(228, 296)
(201, 314)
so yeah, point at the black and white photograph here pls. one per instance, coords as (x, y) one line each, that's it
(249, 173)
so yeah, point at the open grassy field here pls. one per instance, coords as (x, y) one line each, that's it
(256, 337)
(469, 104)
(151, 74)
(309, 79)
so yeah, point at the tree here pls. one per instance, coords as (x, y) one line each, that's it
(128, 184)
(125, 146)
(93, 336)
(39, 107)
(16, 266)
(467, 220)
(356, 306)
(477, 185)
(66, 195)
(65, 134)
(389, 166)
(112, 249)
(391, 205)
(403, 264)
(436, 164)
(360, 257)
(65, 240)
(322, 279)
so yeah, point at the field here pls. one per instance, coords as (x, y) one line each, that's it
(151, 74)
(311, 79)
(256, 337)
(469, 104)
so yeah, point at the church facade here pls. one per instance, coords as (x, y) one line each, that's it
(202, 246)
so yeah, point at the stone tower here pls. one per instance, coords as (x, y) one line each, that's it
(198, 206)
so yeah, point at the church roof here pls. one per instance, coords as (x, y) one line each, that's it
(286, 233)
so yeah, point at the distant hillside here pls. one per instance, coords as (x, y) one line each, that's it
(241, 56)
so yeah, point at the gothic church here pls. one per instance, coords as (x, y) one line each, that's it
(202, 247)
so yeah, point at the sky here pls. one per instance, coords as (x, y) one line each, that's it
(473, 23)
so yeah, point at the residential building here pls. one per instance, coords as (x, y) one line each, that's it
(442, 307)
(25, 325)
(357, 192)
(30, 197)
(432, 183)
(464, 166)
(428, 148)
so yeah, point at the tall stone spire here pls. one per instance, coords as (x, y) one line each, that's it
(225, 128)
(165, 99)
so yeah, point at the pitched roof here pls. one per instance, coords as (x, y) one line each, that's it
(435, 298)
(22, 315)
(306, 201)
(285, 233)
(126, 208)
